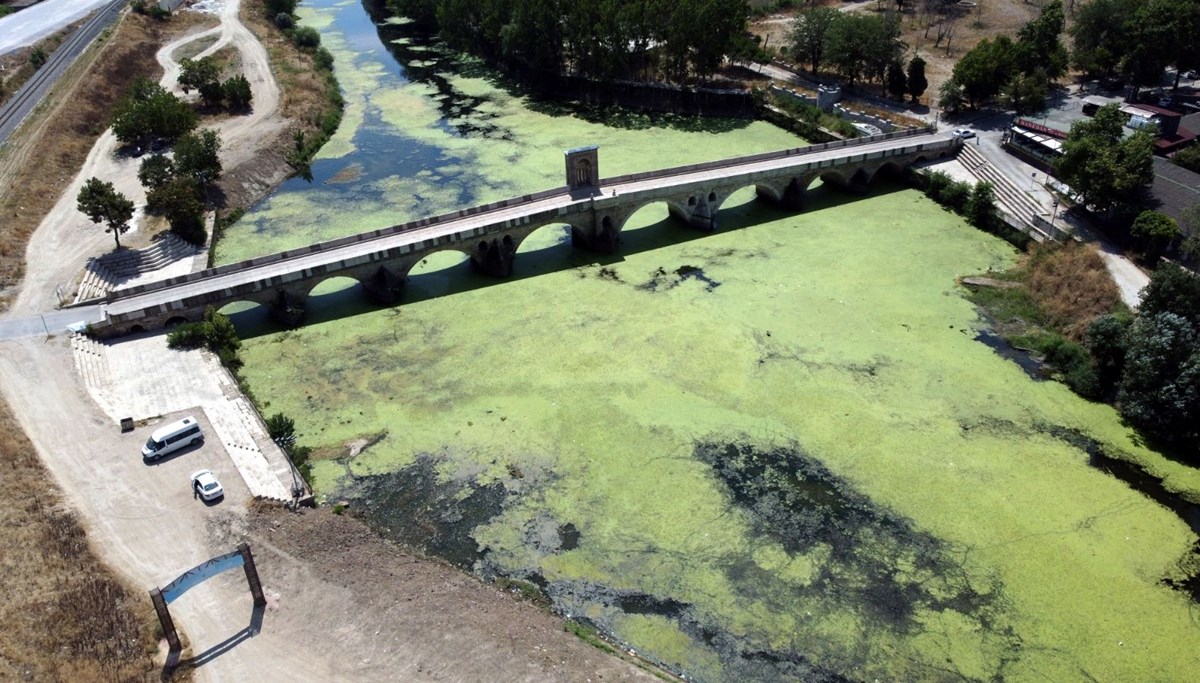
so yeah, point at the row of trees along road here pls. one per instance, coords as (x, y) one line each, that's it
(678, 39)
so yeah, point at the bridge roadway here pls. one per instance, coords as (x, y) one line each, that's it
(155, 304)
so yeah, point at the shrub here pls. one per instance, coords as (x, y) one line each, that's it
(981, 206)
(323, 59)
(306, 37)
(188, 336)
(37, 58)
(284, 21)
(1075, 364)
(216, 333)
(954, 195)
(236, 93)
(1106, 340)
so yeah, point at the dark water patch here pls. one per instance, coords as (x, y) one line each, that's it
(413, 507)
(1034, 368)
(738, 663)
(865, 558)
(1133, 476)
(569, 536)
(662, 281)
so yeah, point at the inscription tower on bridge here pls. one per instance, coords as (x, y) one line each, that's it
(583, 167)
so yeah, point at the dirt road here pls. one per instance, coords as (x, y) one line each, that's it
(66, 238)
(343, 604)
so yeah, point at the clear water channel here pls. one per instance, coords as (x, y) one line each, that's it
(776, 452)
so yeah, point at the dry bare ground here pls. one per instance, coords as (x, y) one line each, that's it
(66, 616)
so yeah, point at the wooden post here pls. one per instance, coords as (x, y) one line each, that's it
(164, 617)
(252, 575)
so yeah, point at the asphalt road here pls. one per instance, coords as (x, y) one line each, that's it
(32, 23)
(50, 323)
(24, 100)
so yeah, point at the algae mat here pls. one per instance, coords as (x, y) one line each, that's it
(771, 453)
(775, 452)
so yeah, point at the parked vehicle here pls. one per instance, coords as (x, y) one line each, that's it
(205, 484)
(168, 439)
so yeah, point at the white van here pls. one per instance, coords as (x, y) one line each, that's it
(171, 438)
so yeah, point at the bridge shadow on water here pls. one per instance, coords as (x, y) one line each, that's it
(448, 273)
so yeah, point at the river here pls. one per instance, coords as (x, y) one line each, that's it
(777, 452)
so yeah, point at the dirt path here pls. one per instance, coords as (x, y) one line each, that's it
(66, 238)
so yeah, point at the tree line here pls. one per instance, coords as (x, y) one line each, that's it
(680, 40)
(858, 47)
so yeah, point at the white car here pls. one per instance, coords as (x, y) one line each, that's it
(205, 484)
(963, 133)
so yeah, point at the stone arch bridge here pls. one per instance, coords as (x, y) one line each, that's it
(596, 211)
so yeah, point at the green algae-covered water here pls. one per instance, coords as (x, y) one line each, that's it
(773, 453)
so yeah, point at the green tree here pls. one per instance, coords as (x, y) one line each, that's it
(198, 156)
(862, 46)
(306, 37)
(897, 83)
(1189, 226)
(809, 37)
(1188, 157)
(101, 202)
(1106, 341)
(1172, 290)
(981, 206)
(237, 93)
(1155, 231)
(917, 83)
(1107, 169)
(951, 96)
(984, 70)
(1100, 34)
(1038, 45)
(282, 430)
(148, 110)
(274, 7)
(1153, 32)
(179, 201)
(1160, 387)
(1026, 93)
(202, 75)
(156, 170)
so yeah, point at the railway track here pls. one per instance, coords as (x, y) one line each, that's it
(23, 102)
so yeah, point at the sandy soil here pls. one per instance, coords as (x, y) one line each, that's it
(344, 604)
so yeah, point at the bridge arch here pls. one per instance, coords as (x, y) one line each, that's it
(762, 190)
(675, 208)
(888, 169)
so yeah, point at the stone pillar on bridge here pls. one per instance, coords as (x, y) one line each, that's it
(287, 308)
(583, 168)
(700, 214)
(494, 257)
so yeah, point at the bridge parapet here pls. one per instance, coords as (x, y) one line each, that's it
(490, 234)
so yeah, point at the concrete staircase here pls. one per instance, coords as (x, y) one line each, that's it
(91, 360)
(106, 273)
(1009, 198)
